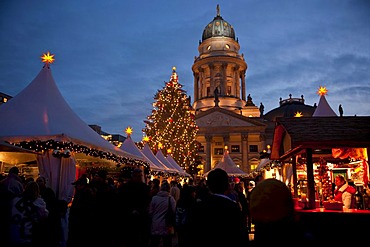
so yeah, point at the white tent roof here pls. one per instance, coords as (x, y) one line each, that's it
(39, 112)
(174, 164)
(163, 159)
(149, 154)
(263, 163)
(170, 164)
(130, 147)
(323, 109)
(228, 165)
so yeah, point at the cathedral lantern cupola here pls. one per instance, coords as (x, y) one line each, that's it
(219, 70)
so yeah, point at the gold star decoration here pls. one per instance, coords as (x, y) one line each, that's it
(47, 58)
(322, 91)
(298, 114)
(128, 130)
(145, 138)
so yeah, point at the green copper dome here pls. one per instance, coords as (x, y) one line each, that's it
(218, 28)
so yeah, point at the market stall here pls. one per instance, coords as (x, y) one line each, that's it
(311, 143)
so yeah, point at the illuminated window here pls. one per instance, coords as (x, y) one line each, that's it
(208, 91)
(201, 149)
(227, 46)
(209, 48)
(218, 151)
(228, 90)
(235, 148)
(253, 148)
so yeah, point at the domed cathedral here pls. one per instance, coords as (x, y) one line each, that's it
(225, 116)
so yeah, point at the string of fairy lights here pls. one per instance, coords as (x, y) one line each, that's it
(64, 149)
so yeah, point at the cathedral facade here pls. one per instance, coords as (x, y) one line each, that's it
(225, 115)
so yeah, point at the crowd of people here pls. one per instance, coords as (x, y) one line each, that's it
(215, 211)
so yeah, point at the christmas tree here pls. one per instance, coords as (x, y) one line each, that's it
(171, 126)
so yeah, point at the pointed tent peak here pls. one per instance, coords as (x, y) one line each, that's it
(323, 109)
(47, 59)
(129, 146)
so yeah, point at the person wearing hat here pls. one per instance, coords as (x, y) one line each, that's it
(272, 210)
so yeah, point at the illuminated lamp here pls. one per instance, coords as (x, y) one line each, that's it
(298, 114)
(128, 130)
(47, 58)
(322, 91)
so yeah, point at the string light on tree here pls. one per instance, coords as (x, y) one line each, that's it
(172, 123)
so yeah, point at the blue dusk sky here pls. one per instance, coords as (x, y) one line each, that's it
(112, 56)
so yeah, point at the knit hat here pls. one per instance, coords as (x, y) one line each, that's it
(271, 201)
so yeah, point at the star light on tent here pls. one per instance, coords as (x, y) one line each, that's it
(298, 114)
(322, 91)
(47, 58)
(145, 138)
(128, 130)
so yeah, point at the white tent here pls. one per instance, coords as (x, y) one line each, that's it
(40, 118)
(228, 165)
(263, 163)
(149, 154)
(163, 159)
(130, 147)
(323, 109)
(174, 163)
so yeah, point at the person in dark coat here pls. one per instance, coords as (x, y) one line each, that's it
(217, 220)
(133, 200)
(272, 211)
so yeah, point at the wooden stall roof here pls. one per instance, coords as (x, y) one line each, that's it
(294, 134)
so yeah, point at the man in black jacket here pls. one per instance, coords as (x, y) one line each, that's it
(217, 220)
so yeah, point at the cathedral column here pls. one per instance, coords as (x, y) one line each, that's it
(202, 89)
(224, 79)
(243, 85)
(246, 166)
(226, 139)
(208, 153)
(196, 86)
(212, 79)
(236, 85)
(263, 141)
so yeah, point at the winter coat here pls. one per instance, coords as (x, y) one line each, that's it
(25, 215)
(157, 211)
